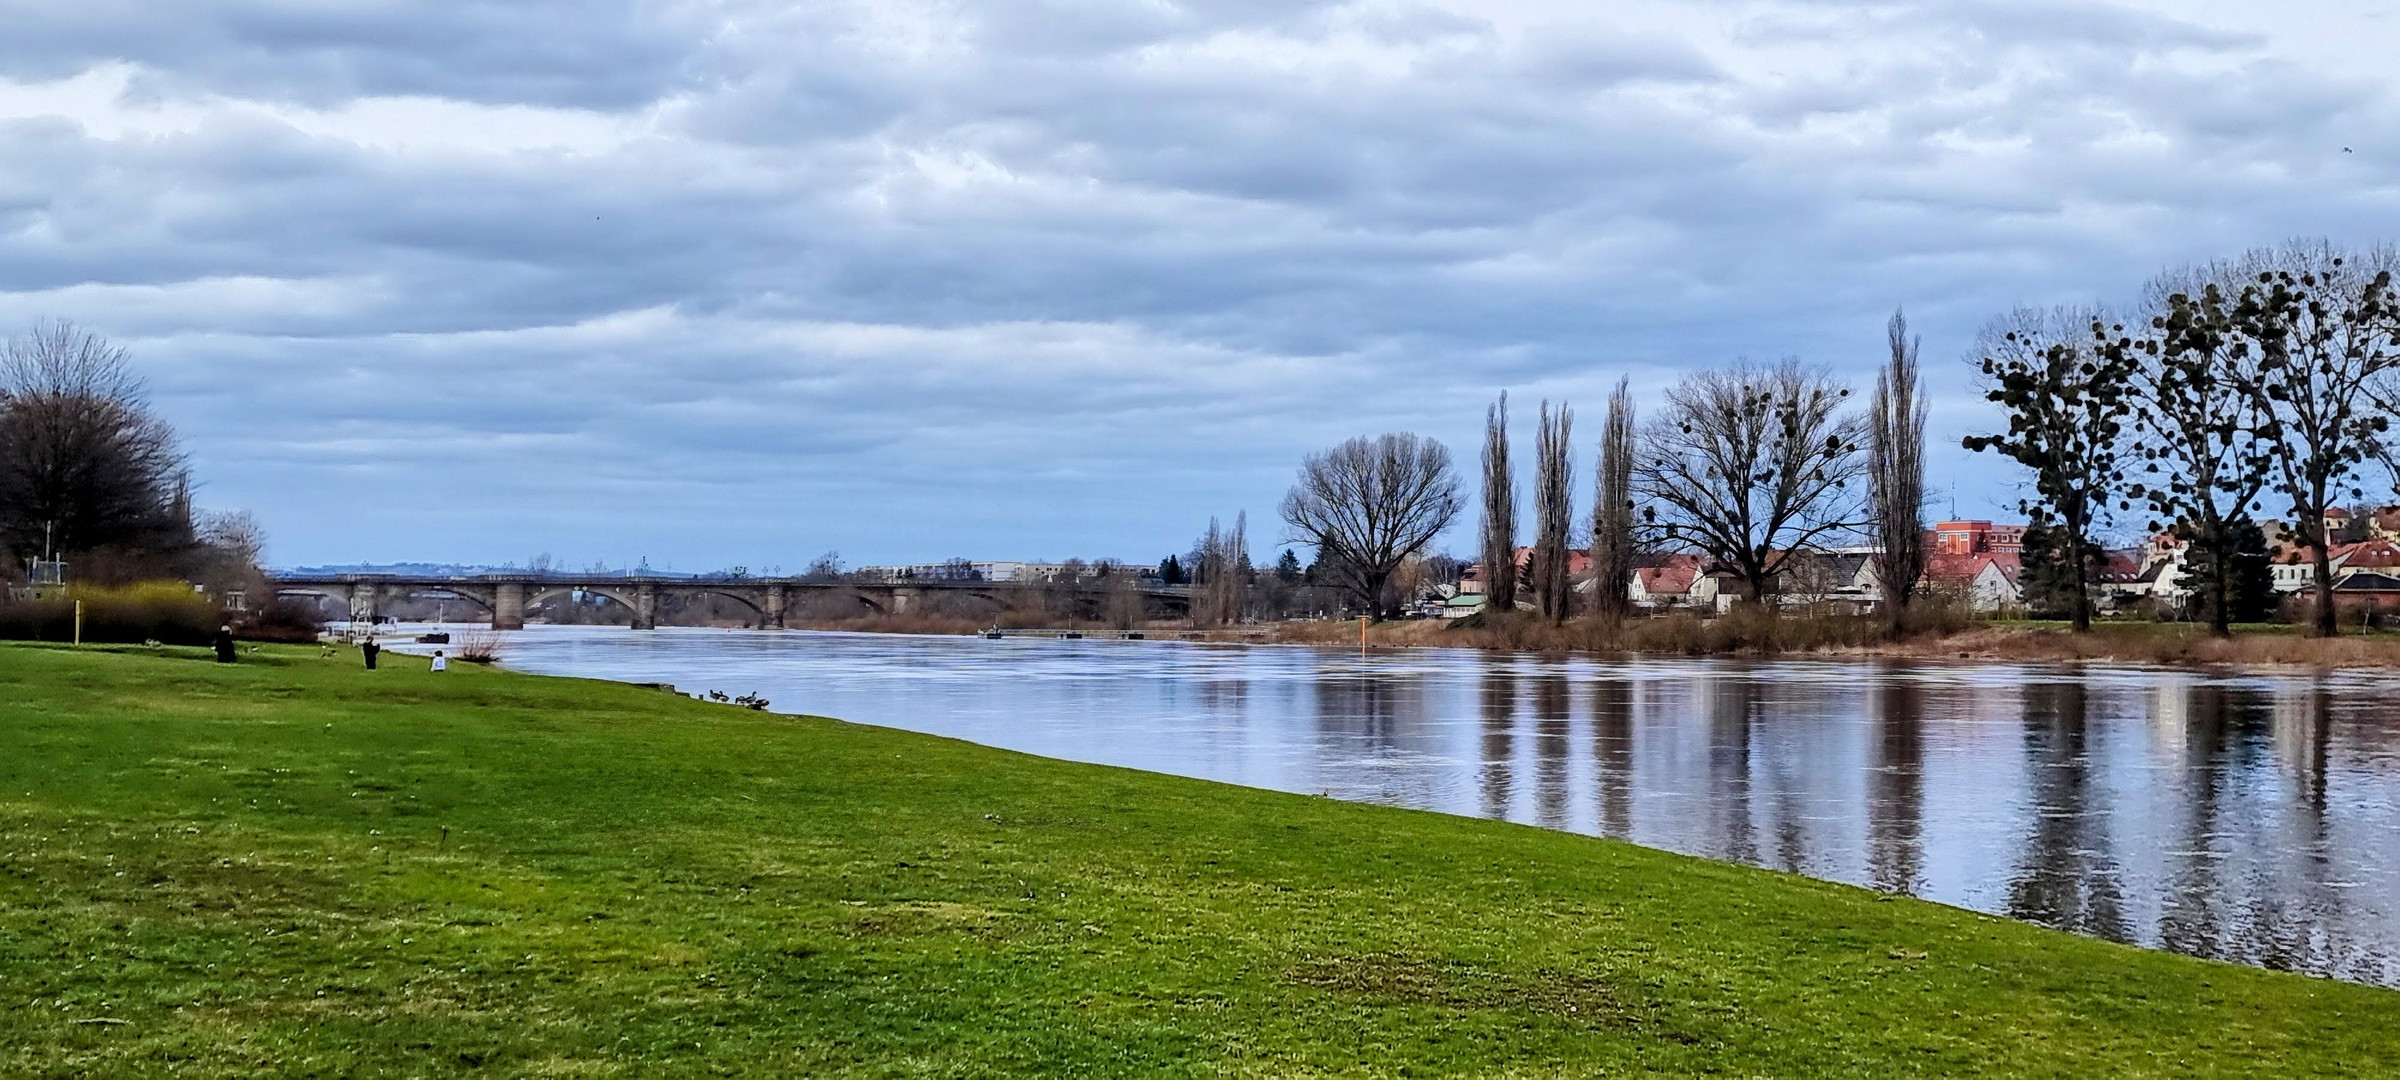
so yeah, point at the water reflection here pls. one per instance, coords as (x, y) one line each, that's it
(2065, 875)
(2247, 817)
(1896, 789)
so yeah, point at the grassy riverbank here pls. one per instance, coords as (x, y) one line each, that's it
(292, 865)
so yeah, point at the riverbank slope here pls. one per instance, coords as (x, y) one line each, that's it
(292, 865)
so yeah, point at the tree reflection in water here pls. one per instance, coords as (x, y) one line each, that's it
(1612, 754)
(1551, 745)
(1896, 788)
(2066, 876)
(1497, 759)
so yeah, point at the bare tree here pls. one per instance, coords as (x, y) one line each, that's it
(1896, 473)
(1499, 512)
(2324, 327)
(1370, 503)
(2204, 458)
(84, 463)
(1748, 466)
(1612, 509)
(2067, 386)
(236, 535)
(1224, 563)
(1553, 496)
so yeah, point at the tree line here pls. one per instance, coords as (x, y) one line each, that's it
(2228, 388)
(93, 478)
(2270, 378)
(91, 475)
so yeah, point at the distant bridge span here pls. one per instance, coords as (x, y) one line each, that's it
(506, 596)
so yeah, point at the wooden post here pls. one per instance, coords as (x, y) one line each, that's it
(78, 623)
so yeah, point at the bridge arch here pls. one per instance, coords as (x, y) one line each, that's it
(620, 597)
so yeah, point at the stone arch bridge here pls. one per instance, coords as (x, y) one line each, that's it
(505, 597)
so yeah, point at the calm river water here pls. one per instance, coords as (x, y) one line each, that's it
(2240, 816)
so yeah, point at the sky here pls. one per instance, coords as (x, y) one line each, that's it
(719, 284)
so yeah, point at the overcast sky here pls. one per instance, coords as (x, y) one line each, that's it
(719, 284)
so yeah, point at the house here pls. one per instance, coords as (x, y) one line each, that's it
(1844, 581)
(2372, 591)
(2117, 581)
(1989, 581)
(2376, 554)
(1579, 567)
(1663, 582)
(2160, 577)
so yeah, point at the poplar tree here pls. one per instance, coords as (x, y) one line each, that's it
(1499, 512)
(1896, 474)
(1612, 509)
(1553, 498)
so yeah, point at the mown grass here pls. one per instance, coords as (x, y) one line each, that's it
(293, 866)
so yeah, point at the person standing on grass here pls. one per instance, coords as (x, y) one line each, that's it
(440, 662)
(368, 649)
(225, 644)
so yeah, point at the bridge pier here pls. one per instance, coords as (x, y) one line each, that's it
(904, 601)
(362, 602)
(508, 606)
(774, 609)
(645, 607)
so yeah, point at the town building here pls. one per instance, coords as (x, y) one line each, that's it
(1974, 538)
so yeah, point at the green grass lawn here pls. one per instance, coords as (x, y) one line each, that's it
(295, 866)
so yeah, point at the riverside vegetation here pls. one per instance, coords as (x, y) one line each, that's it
(291, 865)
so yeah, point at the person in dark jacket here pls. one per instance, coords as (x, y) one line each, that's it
(225, 644)
(368, 650)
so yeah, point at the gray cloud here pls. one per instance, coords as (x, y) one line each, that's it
(735, 283)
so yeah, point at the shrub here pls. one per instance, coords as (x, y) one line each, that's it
(164, 611)
(478, 647)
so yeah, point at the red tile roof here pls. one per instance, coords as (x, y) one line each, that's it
(1964, 569)
(2377, 554)
(1668, 579)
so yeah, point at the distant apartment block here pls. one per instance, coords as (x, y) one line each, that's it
(1977, 538)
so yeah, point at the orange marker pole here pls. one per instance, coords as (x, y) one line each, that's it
(1362, 631)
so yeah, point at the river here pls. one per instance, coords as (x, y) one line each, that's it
(2242, 816)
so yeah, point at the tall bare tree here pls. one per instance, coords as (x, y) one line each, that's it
(2204, 454)
(1749, 465)
(1499, 512)
(1553, 499)
(1224, 561)
(84, 463)
(2067, 390)
(2325, 329)
(1896, 473)
(1369, 504)
(1612, 509)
